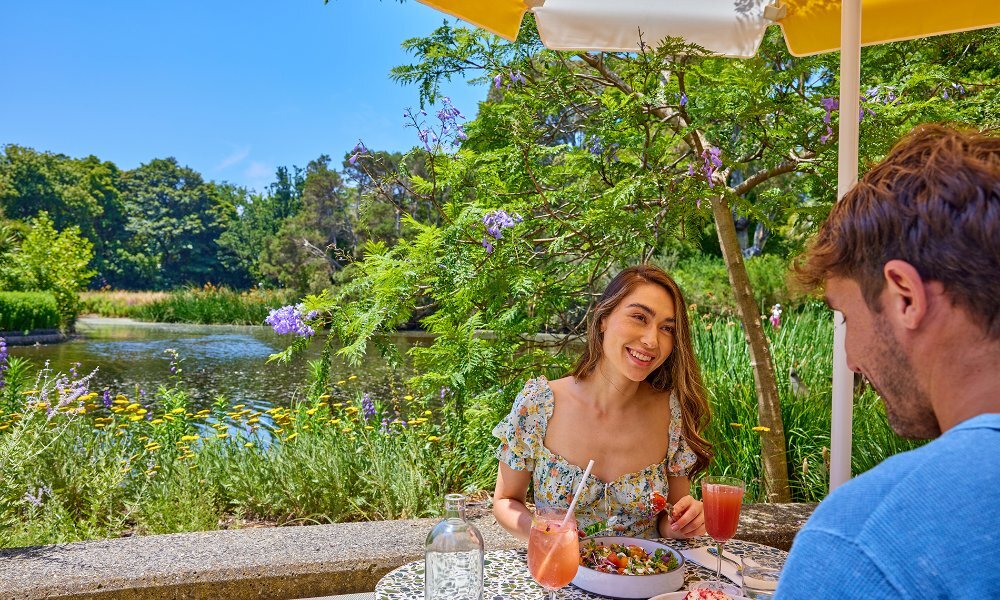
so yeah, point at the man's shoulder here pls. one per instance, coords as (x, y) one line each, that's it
(942, 467)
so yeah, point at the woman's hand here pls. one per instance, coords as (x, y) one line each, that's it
(685, 520)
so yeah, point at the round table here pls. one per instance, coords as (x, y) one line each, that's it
(506, 574)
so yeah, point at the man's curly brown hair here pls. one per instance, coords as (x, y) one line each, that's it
(933, 202)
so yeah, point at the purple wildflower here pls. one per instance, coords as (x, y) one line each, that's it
(106, 398)
(36, 498)
(3, 360)
(497, 80)
(775, 317)
(684, 99)
(289, 319)
(445, 390)
(487, 245)
(367, 407)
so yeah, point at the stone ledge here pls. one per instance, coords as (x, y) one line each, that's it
(276, 563)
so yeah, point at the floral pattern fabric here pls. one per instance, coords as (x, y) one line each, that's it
(622, 503)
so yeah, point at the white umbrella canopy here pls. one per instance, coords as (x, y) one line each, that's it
(735, 28)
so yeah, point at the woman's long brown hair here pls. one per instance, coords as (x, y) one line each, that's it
(679, 373)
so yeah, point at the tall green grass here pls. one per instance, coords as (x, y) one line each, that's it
(205, 305)
(804, 341)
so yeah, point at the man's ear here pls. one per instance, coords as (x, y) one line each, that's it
(905, 298)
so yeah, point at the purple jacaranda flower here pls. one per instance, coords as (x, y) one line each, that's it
(358, 151)
(367, 407)
(775, 317)
(495, 222)
(711, 161)
(691, 169)
(595, 146)
(497, 80)
(289, 319)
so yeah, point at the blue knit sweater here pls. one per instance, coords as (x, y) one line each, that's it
(923, 524)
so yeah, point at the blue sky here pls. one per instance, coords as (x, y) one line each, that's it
(232, 89)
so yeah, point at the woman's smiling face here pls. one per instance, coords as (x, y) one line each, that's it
(639, 332)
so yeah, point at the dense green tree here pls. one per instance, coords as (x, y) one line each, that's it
(80, 192)
(173, 221)
(257, 219)
(317, 241)
(49, 260)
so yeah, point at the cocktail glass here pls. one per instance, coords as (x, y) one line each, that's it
(553, 549)
(723, 497)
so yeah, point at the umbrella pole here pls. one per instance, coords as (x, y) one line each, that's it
(847, 177)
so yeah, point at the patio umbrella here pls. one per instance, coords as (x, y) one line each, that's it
(735, 28)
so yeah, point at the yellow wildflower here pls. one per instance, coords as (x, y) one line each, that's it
(341, 382)
(762, 428)
(133, 406)
(736, 425)
(292, 436)
(189, 438)
(352, 377)
(311, 411)
(135, 418)
(120, 399)
(29, 393)
(407, 397)
(325, 397)
(428, 413)
(239, 406)
(433, 438)
(157, 421)
(338, 404)
(347, 430)
(334, 421)
(177, 410)
(253, 420)
(222, 436)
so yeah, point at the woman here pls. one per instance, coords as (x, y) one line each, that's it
(635, 404)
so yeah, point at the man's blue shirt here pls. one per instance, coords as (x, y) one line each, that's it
(923, 524)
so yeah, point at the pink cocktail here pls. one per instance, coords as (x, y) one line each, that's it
(723, 497)
(553, 550)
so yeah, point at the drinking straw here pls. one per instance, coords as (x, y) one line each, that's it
(579, 489)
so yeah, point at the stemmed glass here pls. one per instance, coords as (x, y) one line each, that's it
(723, 497)
(553, 549)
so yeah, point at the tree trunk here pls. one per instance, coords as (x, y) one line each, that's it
(768, 403)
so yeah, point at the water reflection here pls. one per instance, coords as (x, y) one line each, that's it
(218, 360)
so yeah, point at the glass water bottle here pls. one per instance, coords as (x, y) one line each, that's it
(453, 556)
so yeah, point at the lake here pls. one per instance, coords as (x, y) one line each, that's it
(217, 360)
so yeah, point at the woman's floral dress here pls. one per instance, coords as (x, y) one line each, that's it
(622, 503)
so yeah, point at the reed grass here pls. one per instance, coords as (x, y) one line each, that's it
(205, 305)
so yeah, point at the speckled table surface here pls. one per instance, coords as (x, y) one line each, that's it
(506, 574)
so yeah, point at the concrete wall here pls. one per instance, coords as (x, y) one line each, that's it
(275, 563)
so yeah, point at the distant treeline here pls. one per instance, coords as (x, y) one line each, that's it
(163, 226)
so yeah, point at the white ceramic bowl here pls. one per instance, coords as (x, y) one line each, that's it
(631, 586)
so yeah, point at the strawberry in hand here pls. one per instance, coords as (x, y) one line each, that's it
(657, 502)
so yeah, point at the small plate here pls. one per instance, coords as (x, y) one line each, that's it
(683, 594)
(631, 586)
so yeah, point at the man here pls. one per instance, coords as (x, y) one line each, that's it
(911, 257)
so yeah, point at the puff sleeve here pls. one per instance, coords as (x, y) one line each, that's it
(521, 433)
(680, 457)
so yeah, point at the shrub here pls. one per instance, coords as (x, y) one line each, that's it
(706, 283)
(24, 311)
